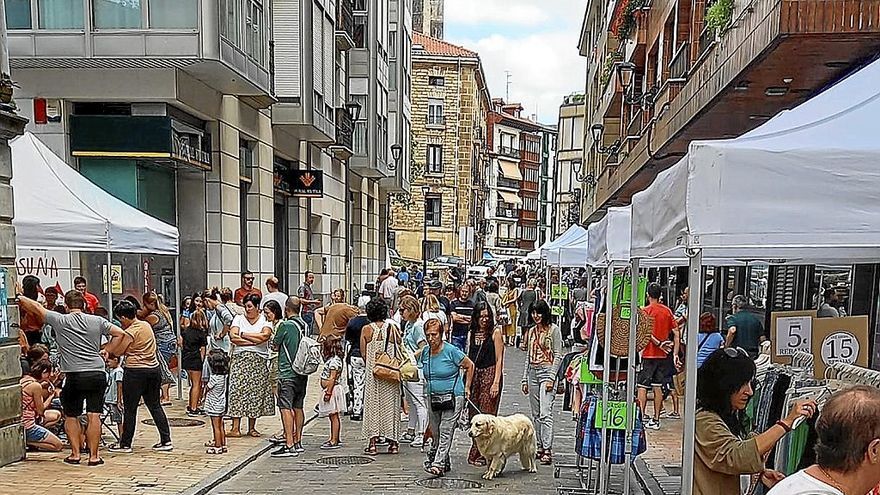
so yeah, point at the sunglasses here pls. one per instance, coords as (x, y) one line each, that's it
(733, 352)
(249, 279)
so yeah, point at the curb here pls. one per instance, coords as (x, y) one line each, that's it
(645, 478)
(223, 474)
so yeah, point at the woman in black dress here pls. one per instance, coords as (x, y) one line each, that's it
(193, 341)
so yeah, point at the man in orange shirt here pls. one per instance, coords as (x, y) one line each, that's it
(247, 287)
(655, 362)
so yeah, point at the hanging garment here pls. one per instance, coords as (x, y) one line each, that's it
(589, 438)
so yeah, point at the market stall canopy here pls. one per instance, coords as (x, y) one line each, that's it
(57, 208)
(609, 238)
(571, 253)
(768, 194)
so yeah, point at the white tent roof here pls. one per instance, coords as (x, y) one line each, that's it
(57, 208)
(768, 194)
(609, 238)
(572, 234)
(572, 253)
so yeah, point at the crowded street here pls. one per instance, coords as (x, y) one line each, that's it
(621, 247)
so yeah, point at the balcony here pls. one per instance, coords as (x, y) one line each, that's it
(776, 54)
(345, 25)
(144, 54)
(609, 104)
(528, 216)
(305, 122)
(508, 183)
(344, 147)
(507, 212)
(507, 243)
(680, 64)
(509, 152)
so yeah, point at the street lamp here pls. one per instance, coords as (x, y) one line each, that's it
(625, 73)
(425, 191)
(354, 110)
(396, 152)
(596, 131)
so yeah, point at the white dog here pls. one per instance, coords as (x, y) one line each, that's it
(498, 438)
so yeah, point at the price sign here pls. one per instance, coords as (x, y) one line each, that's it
(559, 291)
(587, 377)
(793, 333)
(839, 340)
(616, 416)
(557, 310)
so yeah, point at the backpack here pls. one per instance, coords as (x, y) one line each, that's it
(308, 355)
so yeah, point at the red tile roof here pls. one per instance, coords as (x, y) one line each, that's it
(433, 46)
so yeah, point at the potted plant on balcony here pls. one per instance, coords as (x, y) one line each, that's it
(718, 17)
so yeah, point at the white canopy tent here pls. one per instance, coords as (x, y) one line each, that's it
(767, 196)
(57, 208)
(572, 234)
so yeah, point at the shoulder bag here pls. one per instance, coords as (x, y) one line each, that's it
(387, 367)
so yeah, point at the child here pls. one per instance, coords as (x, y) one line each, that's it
(334, 397)
(215, 399)
(194, 341)
(113, 396)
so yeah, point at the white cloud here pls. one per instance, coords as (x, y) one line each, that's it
(510, 12)
(544, 67)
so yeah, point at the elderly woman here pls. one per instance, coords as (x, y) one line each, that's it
(543, 357)
(486, 351)
(413, 342)
(446, 390)
(250, 394)
(381, 398)
(723, 448)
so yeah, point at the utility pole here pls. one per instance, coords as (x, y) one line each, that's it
(507, 92)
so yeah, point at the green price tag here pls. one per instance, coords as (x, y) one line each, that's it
(557, 311)
(559, 291)
(616, 415)
(587, 377)
(625, 312)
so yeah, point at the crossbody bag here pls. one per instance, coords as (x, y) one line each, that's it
(444, 401)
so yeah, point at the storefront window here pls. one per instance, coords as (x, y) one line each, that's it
(174, 14)
(18, 14)
(118, 14)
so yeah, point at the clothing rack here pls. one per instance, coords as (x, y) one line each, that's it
(802, 360)
(853, 374)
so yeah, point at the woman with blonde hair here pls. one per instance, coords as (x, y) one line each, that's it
(431, 310)
(413, 342)
(158, 316)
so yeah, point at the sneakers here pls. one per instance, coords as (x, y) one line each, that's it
(163, 447)
(417, 443)
(119, 449)
(330, 446)
(673, 415)
(298, 447)
(652, 424)
(193, 412)
(277, 439)
(407, 437)
(284, 451)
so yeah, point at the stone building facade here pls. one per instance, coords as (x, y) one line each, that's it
(449, 104)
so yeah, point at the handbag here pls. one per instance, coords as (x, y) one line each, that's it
(620, 329)
(409, 372)
(164, 371)
(444, 401)
(387, 366)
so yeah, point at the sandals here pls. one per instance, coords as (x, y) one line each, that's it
(435, 471)
(539, 453)
(68, 460)
(96, 463)
(546, 458)
(254, 434)
(216, 450)
(371, 450)
(477, 462)
(394, 448)
(232, 434)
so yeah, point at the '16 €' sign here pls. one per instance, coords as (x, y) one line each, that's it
(616, 415)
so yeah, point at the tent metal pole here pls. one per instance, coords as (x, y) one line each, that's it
(604, 465)
(631, 369)
(109, 280)
(177, 323)
(695, 303)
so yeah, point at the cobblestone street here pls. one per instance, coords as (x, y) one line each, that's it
(316, 472)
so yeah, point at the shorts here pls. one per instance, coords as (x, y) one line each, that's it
(36, 433)
(167, 350)
(83, 386)
(114, 412)
(655, 372)
(292, 392)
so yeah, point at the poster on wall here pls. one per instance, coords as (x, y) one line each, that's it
(53, 268)
(115, 278)
(839, 340)
(791, 331)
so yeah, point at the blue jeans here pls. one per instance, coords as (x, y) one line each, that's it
(459, 341)
(309, 318)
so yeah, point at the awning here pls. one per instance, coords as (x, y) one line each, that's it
(511, 198)
(510, 170)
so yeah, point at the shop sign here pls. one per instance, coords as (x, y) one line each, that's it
(839, 340)
(115, 278)
(616, 416)
(307, 183)
(791, 331)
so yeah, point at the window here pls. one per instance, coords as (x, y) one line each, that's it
(18, 14)
(254, 30)
(435, 112)
(60, 14)
(433, 249)
(110, 14)
(246, 161)
(360, 31)
(392, 239)
(436, 81)
(435, 159)
(229, 21)
(173, 14)
(433, 204)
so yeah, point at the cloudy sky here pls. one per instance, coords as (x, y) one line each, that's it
(536, 40)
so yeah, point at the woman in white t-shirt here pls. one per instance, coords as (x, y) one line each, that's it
(431, 310)
(250, 393)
